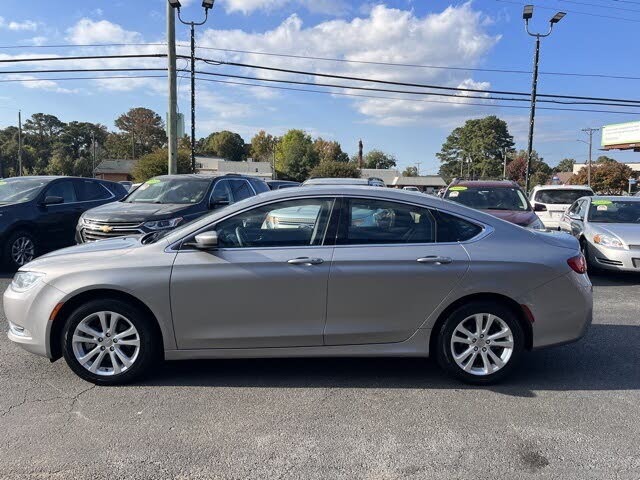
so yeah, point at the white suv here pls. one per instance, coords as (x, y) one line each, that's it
(551, 201)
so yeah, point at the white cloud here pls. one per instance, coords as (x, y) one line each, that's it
(102, 31)
(30, 81)
(26, 25)
(329, 7)
(455, 37)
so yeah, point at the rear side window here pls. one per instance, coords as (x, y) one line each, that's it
(259, 186)
(221, 192)
(240, 189)
(454, 229)
(91, 191)
(561, 197)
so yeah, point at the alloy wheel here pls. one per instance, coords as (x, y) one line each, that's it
(106, 343)
(22, 250)
(482, 344)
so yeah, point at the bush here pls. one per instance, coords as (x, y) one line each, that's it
(336, 170)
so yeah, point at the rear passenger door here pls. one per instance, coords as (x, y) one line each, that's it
(389, 273)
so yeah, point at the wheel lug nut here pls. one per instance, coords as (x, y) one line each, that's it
(108, 334)
(484, 349)
(475, 348)
(111, 348)
(100, 339)
(102, 348)
(488, 342)
(115, 340)
(481, 336)
(474, 340)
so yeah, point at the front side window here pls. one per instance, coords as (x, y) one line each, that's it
(489, 198)
(170, 191)
(88, 191)
(294, 223)
(381, 222)
(62, 189)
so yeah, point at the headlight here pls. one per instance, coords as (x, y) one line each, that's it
(163, 224)
(537, 225)
(607, 241)
(23, 281)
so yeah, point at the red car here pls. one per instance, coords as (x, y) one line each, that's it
(501, 198)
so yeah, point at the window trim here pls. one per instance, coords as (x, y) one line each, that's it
(44, 191)
(178, 246)
(484, 232)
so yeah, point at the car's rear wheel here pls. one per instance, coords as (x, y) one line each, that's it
(109, 342)
(480, 343)
(591, 267)
(19, 249)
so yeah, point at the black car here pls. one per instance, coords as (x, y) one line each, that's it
(39, 214)
(164, 202)
(280, 184)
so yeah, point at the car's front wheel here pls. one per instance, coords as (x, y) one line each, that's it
(20, 248)
(109, 342)
(480, 343)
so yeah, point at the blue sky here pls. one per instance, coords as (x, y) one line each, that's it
(478, 34)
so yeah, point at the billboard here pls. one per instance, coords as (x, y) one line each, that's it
(621, 134)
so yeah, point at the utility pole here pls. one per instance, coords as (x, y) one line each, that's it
(19, 143)
(527, 14)
(461, 166)
(360, 146)
(589, 131)
(93, 148)
(504, 164)
(417, 164)
(172, 131)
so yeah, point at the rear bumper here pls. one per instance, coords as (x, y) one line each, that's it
(562, 310)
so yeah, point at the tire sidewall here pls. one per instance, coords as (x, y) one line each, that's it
(445, 356)
(11, 239)
(149, 346)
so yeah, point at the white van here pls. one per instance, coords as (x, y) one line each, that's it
(551, 201)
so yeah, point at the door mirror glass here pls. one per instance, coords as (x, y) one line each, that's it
(217, 202)
(539, 207)
(52, 200)
(206, 240)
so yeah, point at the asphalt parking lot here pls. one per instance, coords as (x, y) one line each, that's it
(570, 412)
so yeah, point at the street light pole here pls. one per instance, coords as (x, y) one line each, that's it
(207, 5)
(527, 14)
(173, 92)
(589, 131)
(19, 143)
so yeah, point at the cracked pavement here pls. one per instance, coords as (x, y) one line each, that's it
(569, 412)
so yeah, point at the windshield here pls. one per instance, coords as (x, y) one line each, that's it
(489, 198)
(174, 190)
(18, 190)
(561, 197)
(614, 211)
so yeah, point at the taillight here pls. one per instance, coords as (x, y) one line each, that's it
(578, 264)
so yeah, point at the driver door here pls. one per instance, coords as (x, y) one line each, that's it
(265, 285)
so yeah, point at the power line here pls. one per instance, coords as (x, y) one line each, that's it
(81, 70)
(414, 99)
(57, 79)
(601, 6)
(83, 57)
(574, 11)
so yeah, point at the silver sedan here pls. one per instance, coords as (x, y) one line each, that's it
(425, 277)
(608, 229)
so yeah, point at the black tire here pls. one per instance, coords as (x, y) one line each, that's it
(444, 352)
(8, 258)
(150, 343)
(591, 267)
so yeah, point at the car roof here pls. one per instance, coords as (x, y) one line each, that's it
(336, 181)
(614, 198)
(562, 187)
(485, 183)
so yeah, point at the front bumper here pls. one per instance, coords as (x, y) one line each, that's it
(616, 259)
(28, 314)
(562, 309)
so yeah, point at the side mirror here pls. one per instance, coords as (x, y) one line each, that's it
(539, 207)
(52, 200)
(217, 202)
(206, 240)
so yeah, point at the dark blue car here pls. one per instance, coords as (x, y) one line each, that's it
(39, 214)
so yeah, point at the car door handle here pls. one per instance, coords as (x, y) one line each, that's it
(305, 261)
(435, 260)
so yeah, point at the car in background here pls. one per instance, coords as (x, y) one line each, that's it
(371, 181)
(445, 281)
(411, 189)
(39, 214)
(551, 201)
(280, 184)
(608, 228)
(501, 198)
(126, 184)
(164, 202)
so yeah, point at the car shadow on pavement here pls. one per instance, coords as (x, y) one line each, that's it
(614, 279)
(606, 359)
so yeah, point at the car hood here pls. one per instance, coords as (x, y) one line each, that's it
(135, 212)
(513, 216)
(94, 253)
(629, 233)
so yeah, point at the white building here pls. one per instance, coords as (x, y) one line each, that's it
(220, 166)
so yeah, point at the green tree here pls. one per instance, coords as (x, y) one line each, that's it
(156, 163)
(76, 138)
(263, 146)
(378, 159)
(410, 172)
(295, 156)
(606, 177)
(540, 171)
(329, 151)
(118, 145)
(565, 165)
(333, 169)
(225, 144)
(60, 164)
(145, 130)
(605, 159)
(481, 141)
